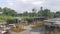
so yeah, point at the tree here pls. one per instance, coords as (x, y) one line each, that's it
(57, 14)
(25, 13)
(8, 11)
(40, 12)
(34, 12)
(48, 13)
(45, 13)
(0, 9)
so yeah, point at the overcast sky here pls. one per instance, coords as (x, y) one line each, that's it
(23, 5)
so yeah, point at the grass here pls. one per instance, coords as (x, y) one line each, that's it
(17, 30)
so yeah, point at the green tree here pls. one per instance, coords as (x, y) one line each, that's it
(45, 13)
(48, 13)
(0, 9)
(34, 12)
(40, 12)
(25, 13)
(57, 14)
(8, 11)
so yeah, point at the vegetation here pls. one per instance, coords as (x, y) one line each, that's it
(17, 30)
(8, 13)
(40, 13)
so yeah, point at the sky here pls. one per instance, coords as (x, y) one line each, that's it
(27, 5)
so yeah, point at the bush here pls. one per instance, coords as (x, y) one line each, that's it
(17, 29)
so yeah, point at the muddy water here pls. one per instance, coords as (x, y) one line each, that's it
(38, 30)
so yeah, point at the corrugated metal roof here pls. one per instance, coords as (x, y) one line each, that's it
(54, 21)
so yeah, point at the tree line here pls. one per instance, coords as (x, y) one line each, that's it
(35, 13)
(42, 13)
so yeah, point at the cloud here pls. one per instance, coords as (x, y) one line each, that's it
(10, 4)
(24, 0)
(38, 2)
(22, 5)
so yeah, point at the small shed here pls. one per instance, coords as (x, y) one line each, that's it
(39, 18)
